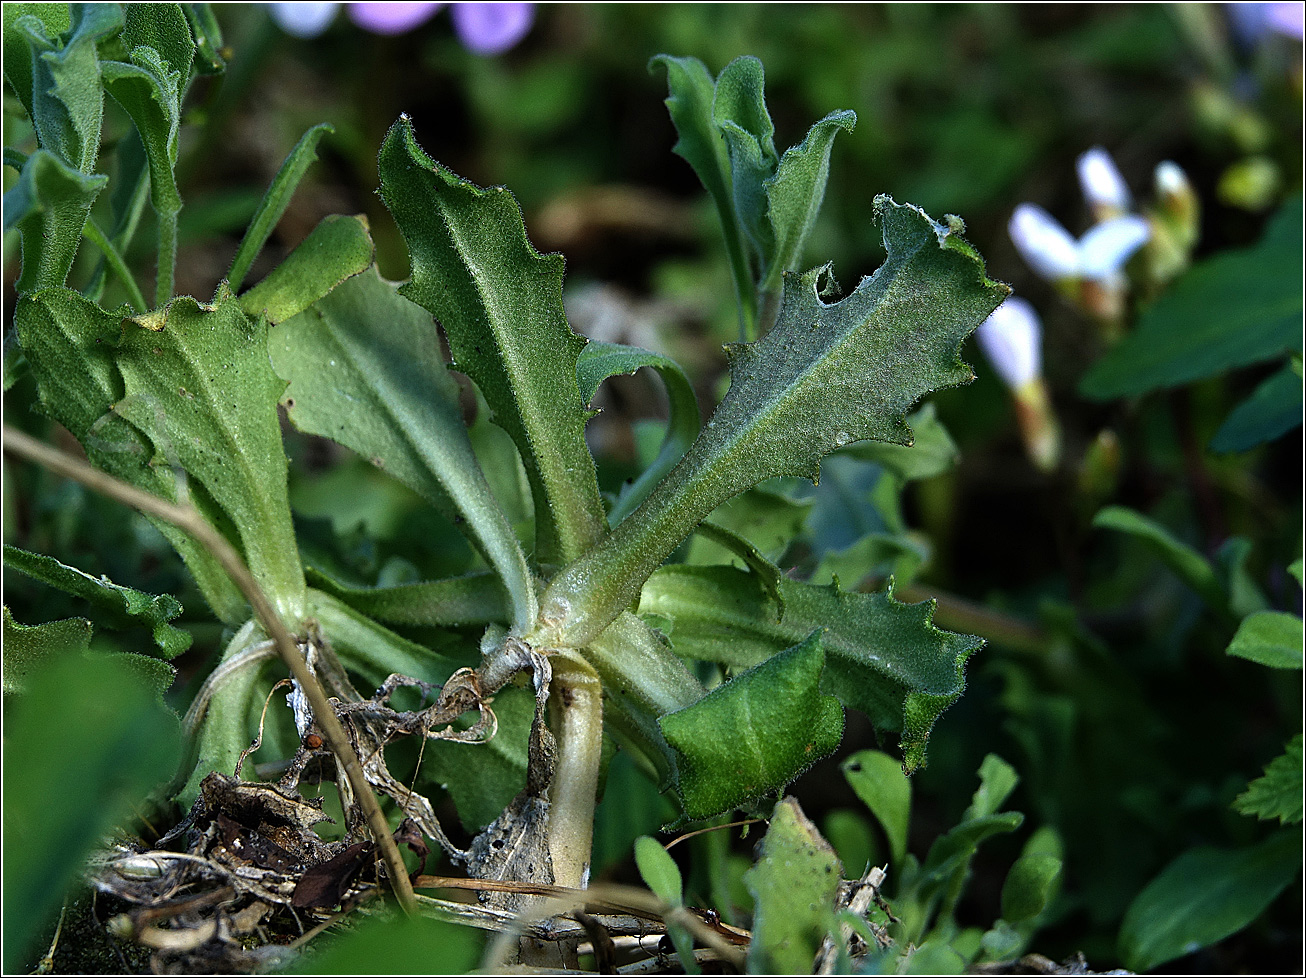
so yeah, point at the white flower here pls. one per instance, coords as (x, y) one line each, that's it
(1052, 253)
(1106, 247)
(1045, 245)
(1104, 188)
(303, 19)
(1012, 339)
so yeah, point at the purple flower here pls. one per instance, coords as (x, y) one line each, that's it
(303, 19)
(392, 18)
(1255, 21)
(483, 28)
(490, 28)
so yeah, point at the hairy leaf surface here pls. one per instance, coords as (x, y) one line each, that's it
(500, 303)
(794, 883)
(827, 375)
(755, 733)
(180, 401)
(49, 205)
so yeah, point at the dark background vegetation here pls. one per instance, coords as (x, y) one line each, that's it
(1131, 729)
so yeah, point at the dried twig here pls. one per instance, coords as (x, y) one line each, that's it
(187, 519)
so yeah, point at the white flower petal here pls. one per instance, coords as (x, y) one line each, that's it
(1107, 246)
(1045, 245)
(1101, 182)
(1011, 339)
(303, 19)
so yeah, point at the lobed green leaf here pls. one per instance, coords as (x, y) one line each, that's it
(1278, 792)
(827, 375)
(123, 605)
(500, 303)
(882, 657)
(29, 648)
(794, 195)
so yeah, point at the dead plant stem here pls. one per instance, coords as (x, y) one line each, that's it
(188, 519)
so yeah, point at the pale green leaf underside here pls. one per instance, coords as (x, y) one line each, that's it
(338, 248)
(364, 368)
(200, 385)
(500, 303)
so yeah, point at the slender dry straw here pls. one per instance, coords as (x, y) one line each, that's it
(187, 519)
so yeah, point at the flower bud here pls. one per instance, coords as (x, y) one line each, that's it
(1011, 339)
(1104, 188)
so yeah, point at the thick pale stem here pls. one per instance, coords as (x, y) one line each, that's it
(576, 704)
